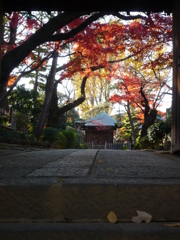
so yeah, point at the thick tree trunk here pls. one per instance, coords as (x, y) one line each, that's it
(48, 95)
(53, 120)
(149, 114)
(148, 121)
(131, 122)
(53, 107)
(54, 117)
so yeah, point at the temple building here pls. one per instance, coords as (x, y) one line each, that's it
(99, 129)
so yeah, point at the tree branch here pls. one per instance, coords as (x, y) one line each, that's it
(14, 57)
(128, 17)
(74, 31)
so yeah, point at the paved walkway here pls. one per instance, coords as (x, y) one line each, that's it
(31, 165)
(67, 194)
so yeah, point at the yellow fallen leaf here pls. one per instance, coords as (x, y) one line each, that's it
(100, 161)
(112, 217)
(142, 216)
(173, 224)
(60, 180)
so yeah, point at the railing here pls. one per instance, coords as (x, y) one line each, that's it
(118, 146)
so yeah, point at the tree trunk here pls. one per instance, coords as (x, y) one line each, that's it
(48, 96)
(53, 106)
(36, 85)
(131, 122)
(57, 114)
(148, 121)
(54, 118)
(149, 114)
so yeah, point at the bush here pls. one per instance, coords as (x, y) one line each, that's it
(70, 129)
(83, 146)
(144, 143)
(22, 136)
(61, 141)
(8, 134)
(79, 141)
(125, 148)
(3, 133)
(31, 137)
(50, 135)
(71, 137)
(22, 122)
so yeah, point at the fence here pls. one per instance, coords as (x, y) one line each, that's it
(118, 146)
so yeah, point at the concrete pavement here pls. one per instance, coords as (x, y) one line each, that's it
(102, 164)
(74, 187)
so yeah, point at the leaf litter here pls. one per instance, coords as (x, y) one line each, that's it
(142, 216)
(112, 218)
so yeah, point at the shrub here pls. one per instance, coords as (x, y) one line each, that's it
(3, 132)
(125, 148)
(3, 120)
(70, 129)
(79, 140)
(83, 146)
(22, 136)
(71, 137)
(50, 135)
(22, 122)
(31, 137)
(8, 134)
(144, 143)
(12, 135)
(61, 141)
(136, 145)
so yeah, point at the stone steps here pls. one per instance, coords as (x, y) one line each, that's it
(88, 231)
(88, 200)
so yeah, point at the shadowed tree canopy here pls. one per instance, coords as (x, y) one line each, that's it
(96, 45)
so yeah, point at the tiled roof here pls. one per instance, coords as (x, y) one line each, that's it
(102, 119)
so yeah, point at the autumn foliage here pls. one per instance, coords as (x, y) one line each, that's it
(136, 54)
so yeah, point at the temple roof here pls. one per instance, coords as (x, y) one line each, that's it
(102, 119)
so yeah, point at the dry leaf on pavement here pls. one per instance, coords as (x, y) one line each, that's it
(173, 224)
(60, 180)
(112, 217)
(142, 216)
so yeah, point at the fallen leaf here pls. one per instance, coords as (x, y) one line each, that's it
(173, 224)
(100, 161)
(60, 180)
(110, 169)
(112, 217)
(142, 216)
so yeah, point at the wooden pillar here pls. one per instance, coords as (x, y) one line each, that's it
(176, 78)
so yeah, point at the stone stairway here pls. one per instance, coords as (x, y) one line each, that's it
(67, 194)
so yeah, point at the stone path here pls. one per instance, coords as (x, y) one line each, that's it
(73, 163)
(68, 193)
